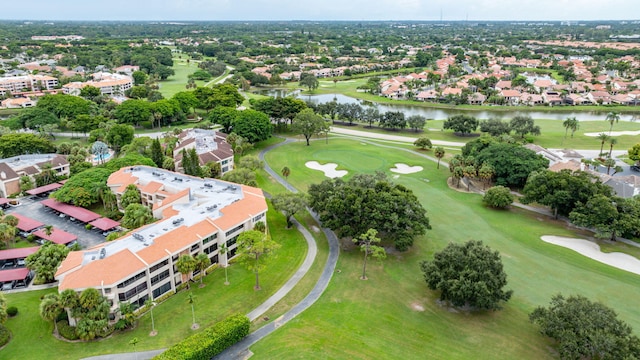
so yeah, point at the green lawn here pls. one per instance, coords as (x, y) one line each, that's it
(394, 315)
(177, 82)
(32, 337)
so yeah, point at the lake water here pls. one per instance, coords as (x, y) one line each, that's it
(441, 114)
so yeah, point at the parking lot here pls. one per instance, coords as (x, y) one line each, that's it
(33, 209)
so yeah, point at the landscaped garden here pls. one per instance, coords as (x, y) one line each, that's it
(394, 315)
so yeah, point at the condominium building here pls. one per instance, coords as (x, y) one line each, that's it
(109, 84)
(11, 169)
(210, 145)
(16, 84)
(195, 216)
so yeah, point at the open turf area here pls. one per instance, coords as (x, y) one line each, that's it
(393, 314)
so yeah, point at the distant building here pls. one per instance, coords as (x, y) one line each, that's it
(196, 215)
(16, 84)
(109, 84)
(210, 145)
(11, 169)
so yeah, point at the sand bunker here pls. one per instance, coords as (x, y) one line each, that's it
(328, 169)
(406, 169)
(592, 250)
(614, 133)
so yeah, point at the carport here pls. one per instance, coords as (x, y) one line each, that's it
(57, 236)
(15, 278)
(78, 213)
(44, 189)
(104, 224)
(25, 223)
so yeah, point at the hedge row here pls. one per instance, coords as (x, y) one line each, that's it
(5, 335)
(210, 342)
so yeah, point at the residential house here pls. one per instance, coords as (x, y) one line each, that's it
(512, 97)
(11, 169)
(476, 99)
(210, 145)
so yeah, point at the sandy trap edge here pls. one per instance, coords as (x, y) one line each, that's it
(592, 251)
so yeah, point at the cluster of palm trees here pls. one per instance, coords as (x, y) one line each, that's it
(606, 158)
(461, 167)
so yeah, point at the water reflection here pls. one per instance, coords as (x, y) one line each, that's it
(441, 114)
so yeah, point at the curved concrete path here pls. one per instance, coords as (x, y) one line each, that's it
(240, 349)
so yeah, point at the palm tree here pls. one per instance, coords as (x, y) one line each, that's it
(134, 342)
(286, 172)
(48, 230)
(612, 117)
(603, 138)
(575, 125)
(439, 153)
(202, 263)
(190, 299)
(223, 250)
(612, 142)
(486, 173)
(150, 304)
(609, 163)
(50, 308)
(186, 264)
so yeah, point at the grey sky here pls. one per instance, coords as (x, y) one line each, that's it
(320, 10)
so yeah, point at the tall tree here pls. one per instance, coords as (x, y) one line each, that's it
(286, 172)
(309, 80)
(136, 215)
(612, 142)
(586, 330)
(119, 135)
(131, 195)
(523, 125)
(51, 308)
(254, 246)
(368, 245)
(572, 124)
(603, 138)
(100, 150)
(469, 274)
(462, 124)
(289, 204)
(609, 217)
(613, 118)
(157, 155)
(439, 153)
(309, 124)
(46, 260)
(186, 264)
(202, 263)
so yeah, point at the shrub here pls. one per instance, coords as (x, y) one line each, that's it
(88, 227)
(498, 197)
(67, 331)
(146, 124)
(5, 335)
(12, 311)
(210, 342)
(31, 238)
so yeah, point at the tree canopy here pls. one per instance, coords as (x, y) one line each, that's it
(46, 260)
(309, 124)
(14, 144)
(469, 274)
(463, 124)
(370, 202)
(511, 163)
(253, 125)
(586, 329)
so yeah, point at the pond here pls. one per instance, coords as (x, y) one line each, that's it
(441, 114)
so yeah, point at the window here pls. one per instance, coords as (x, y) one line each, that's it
(208, 239)
(157, 266)
(163, 275)
(232, 241)
(257, 218)
(211, 248)
(107, 291)
(162, 289)
(133, 292)
(239, 227)
(225, 161)
(195, 247)
(131, 280)
(214, 259)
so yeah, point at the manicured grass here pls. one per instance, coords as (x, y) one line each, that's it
(32, 337)
(177, 82)
(383, 317)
